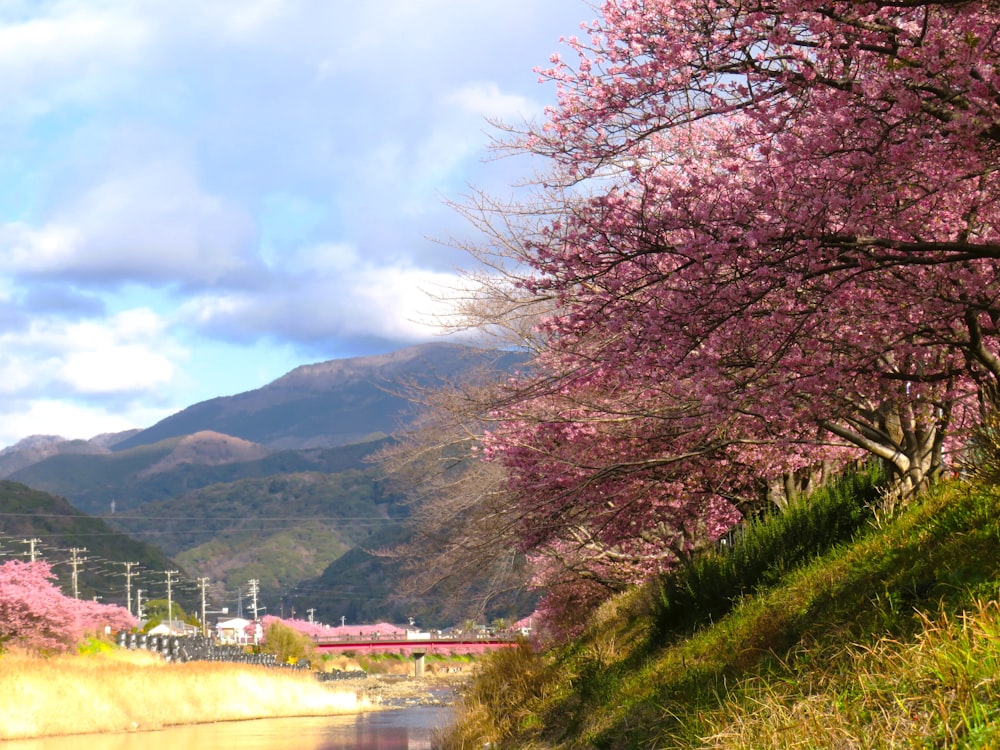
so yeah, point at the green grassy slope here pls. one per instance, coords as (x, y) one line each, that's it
(890, 640)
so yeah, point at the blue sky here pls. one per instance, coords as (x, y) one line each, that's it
(197, 197)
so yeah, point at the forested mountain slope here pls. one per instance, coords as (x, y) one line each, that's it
(329, 403)
(57, 528)
(272, 485)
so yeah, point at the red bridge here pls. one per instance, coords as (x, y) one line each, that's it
(417, 643)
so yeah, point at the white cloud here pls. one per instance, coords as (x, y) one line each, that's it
(125, 355)
(27, 249)
(405, 302)
(77, 55)
(335, 294)
(487, 100)
(151, 222)
(24, 374)
(115, 369)
(326, 260)
(82, 378)
(261, 173)
(71, 420)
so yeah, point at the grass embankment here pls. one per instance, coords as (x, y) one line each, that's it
(888, 640)
(120, 691)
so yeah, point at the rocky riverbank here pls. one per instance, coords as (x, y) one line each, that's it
(395, 691)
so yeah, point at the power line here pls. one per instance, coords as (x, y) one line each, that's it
(119, 517)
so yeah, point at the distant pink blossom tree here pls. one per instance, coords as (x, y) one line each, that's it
(35, 615)
(311, 629)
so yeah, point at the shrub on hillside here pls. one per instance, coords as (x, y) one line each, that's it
(286, 643)
(502, 701)
(710, 583)
(979, 461)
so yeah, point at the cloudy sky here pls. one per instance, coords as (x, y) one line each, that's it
(196, 197)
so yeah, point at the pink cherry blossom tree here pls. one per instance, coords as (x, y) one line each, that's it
(767, 240)
(766, 244)
(779, 188)
(35, 615)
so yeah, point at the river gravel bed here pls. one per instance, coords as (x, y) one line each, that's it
(392, 691)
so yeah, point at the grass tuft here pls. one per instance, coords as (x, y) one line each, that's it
(710, 584)
(501, 700)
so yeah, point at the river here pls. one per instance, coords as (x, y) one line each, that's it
(397, 729)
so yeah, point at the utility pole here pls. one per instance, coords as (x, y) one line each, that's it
(31, 544)
(76, 561)
(170, 597)
(138, 604)
(311, 611)
(128, 584)
(203, 584)
(254, 590)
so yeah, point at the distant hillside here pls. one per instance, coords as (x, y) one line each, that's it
(39, 447)
(279, 529)
(109, 476)
(208, 449)
(27, 514)
(174, 467)
(271, 484)
(327, 404)
(359, 587)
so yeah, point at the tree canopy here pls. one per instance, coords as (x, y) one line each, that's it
(766, 242)
(34, 613)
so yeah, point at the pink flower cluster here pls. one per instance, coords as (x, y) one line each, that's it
(319, 631)
(35, 615)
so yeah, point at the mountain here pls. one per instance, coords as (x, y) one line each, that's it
(229, 509)
(208, 448)
(326, 404)
(275, 484)
(168, 470)
(37, 448)
(277, 529)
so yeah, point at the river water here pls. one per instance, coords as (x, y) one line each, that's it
(397, 729)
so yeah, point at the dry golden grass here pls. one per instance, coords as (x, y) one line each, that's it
(129, 691)
(940, 690)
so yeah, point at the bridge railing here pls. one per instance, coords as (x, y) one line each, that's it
(420, 637)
